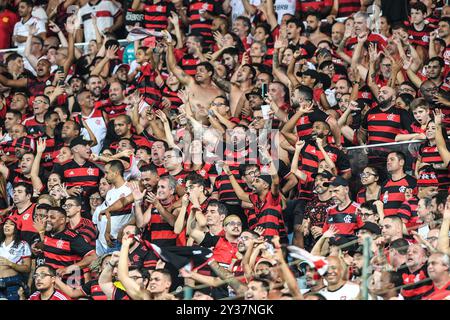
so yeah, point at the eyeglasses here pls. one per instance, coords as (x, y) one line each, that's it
(41, 275)
(367, 174)
(366, 215)
(386, 65)
(39, 102)
(213, 104)
(253, 173)
(68, 206)
(95, 198)
(234, 224)
(430, 239)
(245, 238)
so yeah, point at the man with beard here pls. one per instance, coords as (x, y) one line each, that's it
(241, 83)
(300, 124)
(115, 105)
(230, 59)
(44, 280)
(344, 215)
(191, 59)
(122, 129)
(21, 28)
(314, 213)
(95, 87)
(158, 220)
(382, 123)
(416, 282)
(76, 84)
(200, 88)
(313, 28)
(393, 190)
(65, 250)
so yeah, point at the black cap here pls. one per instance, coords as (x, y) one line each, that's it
(345, 242)
(267, 178)
(371, 227)
(310, 72)
(326, 174)
(356, 250)
(254, 92)
(339, 181)
(79, 140)
(44, 206)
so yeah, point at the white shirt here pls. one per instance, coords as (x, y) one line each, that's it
(105, 11)
(348, 291)
(21, 29)
(97, 125)
(237, 8)
(117, 222)
(15, 254)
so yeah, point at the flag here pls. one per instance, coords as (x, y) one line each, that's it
(181, 257)
(320, 264)
(139, 33)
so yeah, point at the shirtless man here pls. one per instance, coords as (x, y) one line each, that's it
(201, 90)
(313, 28)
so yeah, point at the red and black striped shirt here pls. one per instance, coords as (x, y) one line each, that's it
(87, 230)
(348, 7)
(142, 258)
(346, 220)
(156, 15)
(113, 111)
(27, 232)
(34, 127)
(92, 289)
(383, 126)
(198, 24)
(374, 38)
(416, 284)
(172, 96)
(303, 6)
(86, 176)
(305, 123)
(158, 231)
(146, 84)
(419, 38)
(430, 154)
(393, 193)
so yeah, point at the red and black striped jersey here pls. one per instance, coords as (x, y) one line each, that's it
(250, 212)
(156, 15)
(49, 155)
(113, 111)
(383, 126)
(198, 24)
(374, 38)
(419, 38)
(305, 123)
(429, 154)
(416, 284)
(86, 176)
(56, 295)
(142, 257)
(158, 231)
(119, 294)
(269, 215)
(172, 96)
(37, 86)
(146, 84)
(436, 293)
(361, 196)
(303, 6)
(27, 232)
(408, 212)
(189, 64)
(15, 176)
(34, 127)
(346, 220)
(393, 193)
(348, 7)
(92, 289)
(87, 230)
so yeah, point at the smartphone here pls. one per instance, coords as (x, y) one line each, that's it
(60, 70)
(263, 90)
(265, 108)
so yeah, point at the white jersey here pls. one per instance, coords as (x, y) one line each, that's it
(97, 125)
(21, 29)
(348, 291)
(117, 222)
(15, 254)
(105, 11)
(237, 8)
(284, 6)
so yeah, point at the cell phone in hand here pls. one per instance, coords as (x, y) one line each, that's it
(263, 90)
(265, 108)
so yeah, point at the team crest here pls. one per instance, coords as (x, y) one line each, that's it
(390, 117)
(348, 219)
(60, 244)
(90, 171)
(26, 216)
(402, 189)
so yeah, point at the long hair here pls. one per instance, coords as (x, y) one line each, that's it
(16, 236)
(3, 193)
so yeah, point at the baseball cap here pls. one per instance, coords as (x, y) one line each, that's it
(79, 140)
(122, 65)
(310, 72)
(371, 227)
(339, 181)
(267, 178)
(326, 174)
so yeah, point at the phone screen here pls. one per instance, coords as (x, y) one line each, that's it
(263, 90)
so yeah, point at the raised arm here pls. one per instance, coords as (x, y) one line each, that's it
(106, 279)
(184, 78)
(440, 141)
(241, 194)
(35, 179)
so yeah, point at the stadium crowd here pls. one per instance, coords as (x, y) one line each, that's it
(243, 149)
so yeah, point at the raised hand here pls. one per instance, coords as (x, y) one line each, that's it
(41, 145)
(174, 19)
(111, 52)
(331, 232)
(259, 230)
(299, 145)
(438, 116)
(150, 197)
(280, 43)
(167, 36)
(306, 108)
(373, 53)
(162, 116)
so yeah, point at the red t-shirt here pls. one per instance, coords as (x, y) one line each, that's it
(7, 21)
